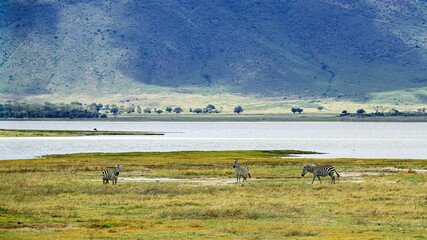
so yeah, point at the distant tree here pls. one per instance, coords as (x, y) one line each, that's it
(177, 110)
(378, 113)
(344, 113)
(104, 115)
(361, 111)
(395, 111)
(95, 107)
(130, 109)
(320, 108)
(138, 109)
(147, 110)
(210, 106)
(198, 110)
(294, 110)
(238, 109)
(298, 110)
(159, 111)
(168, 109)
(114, 109)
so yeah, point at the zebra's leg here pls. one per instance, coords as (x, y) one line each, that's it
(314, 177)
(237, 176)
(332, 179)
(319, 178)
(244, 178)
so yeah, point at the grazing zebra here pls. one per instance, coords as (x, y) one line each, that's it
(111, 175)
(320, 171)
(241, 171)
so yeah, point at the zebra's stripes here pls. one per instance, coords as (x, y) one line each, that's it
(320, 171)
(111, 175)
(241, 171)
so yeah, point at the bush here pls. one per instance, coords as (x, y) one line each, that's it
(178, 110)
(238, 109)
(299, 110)
(361, 111)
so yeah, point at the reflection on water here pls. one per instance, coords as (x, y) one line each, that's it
(337, 140)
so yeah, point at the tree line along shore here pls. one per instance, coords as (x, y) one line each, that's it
(77, 110)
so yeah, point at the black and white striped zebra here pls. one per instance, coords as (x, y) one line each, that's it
(109, 174)
(320, 170)
(241, 171)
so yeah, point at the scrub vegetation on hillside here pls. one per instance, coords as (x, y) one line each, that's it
(314, 48)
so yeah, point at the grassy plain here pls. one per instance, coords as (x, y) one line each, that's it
(188, 117)
(62, 197)
(404, 100)
(65, 133)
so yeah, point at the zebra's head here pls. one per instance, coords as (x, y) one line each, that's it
(235, 163)
(305, 170)
(117, 170)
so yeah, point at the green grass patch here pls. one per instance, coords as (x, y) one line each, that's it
(62, 196)
(65, 133)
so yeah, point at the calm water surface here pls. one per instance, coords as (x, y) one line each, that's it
(337, 140)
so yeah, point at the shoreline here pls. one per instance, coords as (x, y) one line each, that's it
(238, 118)
(66, 133)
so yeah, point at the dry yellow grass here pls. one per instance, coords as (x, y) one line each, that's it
(63, 197)
(252, 104)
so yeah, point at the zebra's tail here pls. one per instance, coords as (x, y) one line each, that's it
(337, 173)
(249, 175)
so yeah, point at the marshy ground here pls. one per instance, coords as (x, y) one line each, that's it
(193, 195)
(66, 133)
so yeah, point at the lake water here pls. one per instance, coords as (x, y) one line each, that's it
(336, 139)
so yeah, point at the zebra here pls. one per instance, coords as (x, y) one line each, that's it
(241, 171)
(111, 175)
(320, 170)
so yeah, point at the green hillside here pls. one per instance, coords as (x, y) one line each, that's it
(310, 48)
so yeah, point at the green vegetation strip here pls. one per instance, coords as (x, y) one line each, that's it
(62, 197)
(65, 133)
